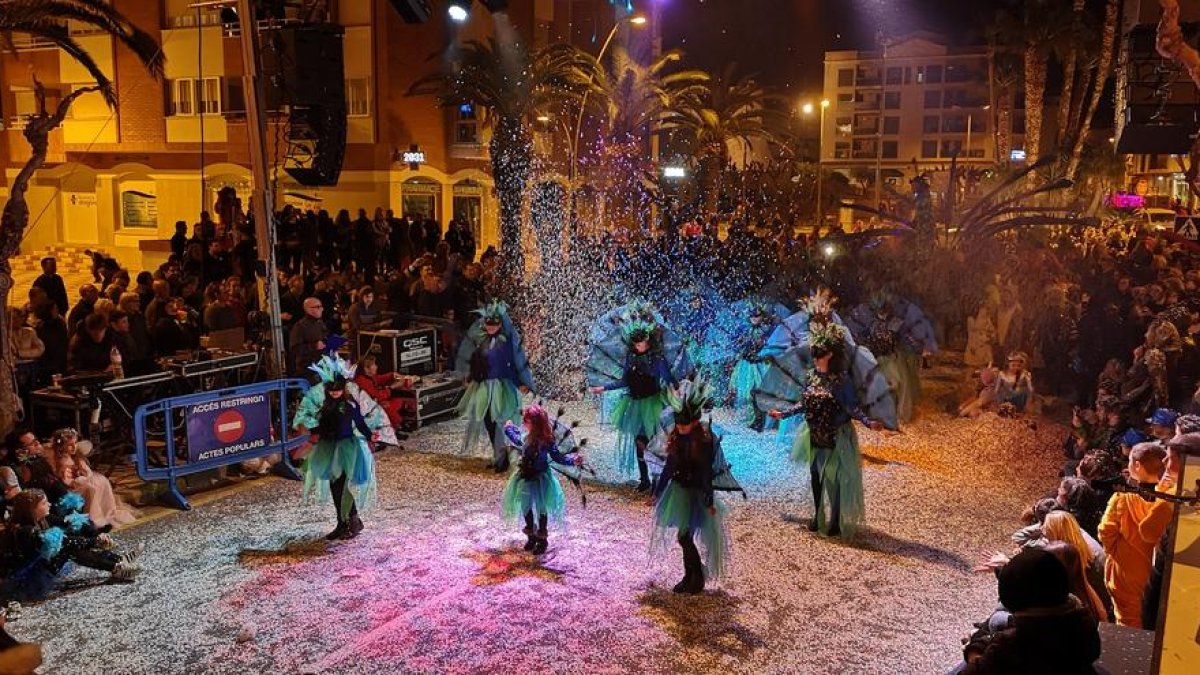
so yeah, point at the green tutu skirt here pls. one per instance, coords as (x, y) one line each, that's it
(842, 469)
(349, 457)
(681, 508)
(900, 370)
(635, 417)
(498, 399)
(542, 495)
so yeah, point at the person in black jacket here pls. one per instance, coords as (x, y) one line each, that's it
(53, 284)
(91, 348)
(1047, 632)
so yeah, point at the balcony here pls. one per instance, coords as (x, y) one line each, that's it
(872, 104)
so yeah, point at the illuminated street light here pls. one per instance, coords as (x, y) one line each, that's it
(807, 108)
(459, 10)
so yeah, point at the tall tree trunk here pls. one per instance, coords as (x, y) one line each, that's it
(512, 164)
(13, 222)
(1071, 71)
(1108, 43)
(1004, 108)
(1035, 97)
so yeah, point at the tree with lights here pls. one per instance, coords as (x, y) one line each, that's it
(47, 20)
(512, 86)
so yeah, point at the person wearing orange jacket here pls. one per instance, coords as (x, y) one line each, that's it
(1129, 531)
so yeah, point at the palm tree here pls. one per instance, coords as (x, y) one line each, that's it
(633, 102)
(1104, 60)
(511, 85)
(46, 20)
(730, 108)
(1032, 29)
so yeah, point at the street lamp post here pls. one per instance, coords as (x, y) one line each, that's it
(807, 108)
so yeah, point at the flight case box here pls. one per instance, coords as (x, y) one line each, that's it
(411, 352)
(429, 397)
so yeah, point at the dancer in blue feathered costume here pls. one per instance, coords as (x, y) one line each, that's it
(751, 365)
(38, 546)
(685, 492)
(900, 336)
(826, 441)
(645, 381)
(341, 464)
(492, 360)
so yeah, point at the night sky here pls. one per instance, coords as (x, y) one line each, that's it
(784, 41)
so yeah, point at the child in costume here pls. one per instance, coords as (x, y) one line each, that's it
(38, 545)
(341, 463)
(533, 491)
(826, 440)
(645, 379)
(684, 493)
(493, 361)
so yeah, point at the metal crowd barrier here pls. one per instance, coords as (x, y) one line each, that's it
(218, 428)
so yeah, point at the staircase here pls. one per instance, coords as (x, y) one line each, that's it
(74, 266)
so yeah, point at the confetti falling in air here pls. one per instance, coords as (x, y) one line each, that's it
(437, 582)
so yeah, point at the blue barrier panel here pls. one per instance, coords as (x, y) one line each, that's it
(220, 427)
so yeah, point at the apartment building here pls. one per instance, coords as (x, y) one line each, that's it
(120, 179)
(912, 106)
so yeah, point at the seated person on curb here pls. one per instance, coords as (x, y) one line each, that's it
(381, 387)
(1041, 628)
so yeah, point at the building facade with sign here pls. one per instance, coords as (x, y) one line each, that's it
(120, 179)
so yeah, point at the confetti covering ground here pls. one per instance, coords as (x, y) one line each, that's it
(438, 583)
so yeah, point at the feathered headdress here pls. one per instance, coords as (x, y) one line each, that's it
(494, 311)
(330, 368)
(640, 310)
(827, 336)
(639, 330)
(694, 403)
(819, 305)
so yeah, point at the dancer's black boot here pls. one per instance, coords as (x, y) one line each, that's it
(693, 577)
(530, 533)
(541, 539)
(336, 488)
(643, 470)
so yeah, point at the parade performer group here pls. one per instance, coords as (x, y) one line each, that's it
(492, 359)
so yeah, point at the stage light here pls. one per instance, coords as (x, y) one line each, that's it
(674, 172)
(459, 10)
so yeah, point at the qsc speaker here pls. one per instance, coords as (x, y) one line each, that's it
(412, 11)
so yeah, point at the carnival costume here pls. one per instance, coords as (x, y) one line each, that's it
(35, 555)
(643, 378)
(735, 341)
(898, 334)
(340, 465)
(694, 469)
(533, 491)
(824, 439)
(495, 368)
